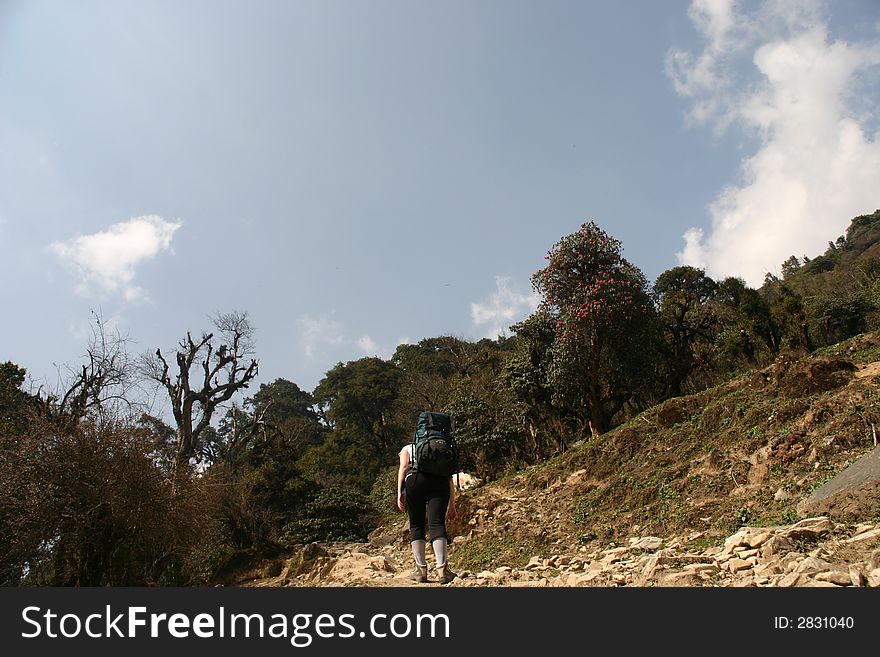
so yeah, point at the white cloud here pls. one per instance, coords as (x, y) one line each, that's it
(817, 164)
(318, 331)
(368, 345)
(105, 262)
(505, 307)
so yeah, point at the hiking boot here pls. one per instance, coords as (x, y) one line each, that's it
(445, 574)
(420, 574)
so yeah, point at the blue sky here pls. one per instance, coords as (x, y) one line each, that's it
(359, 174)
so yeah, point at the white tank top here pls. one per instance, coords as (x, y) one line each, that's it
(408, 449)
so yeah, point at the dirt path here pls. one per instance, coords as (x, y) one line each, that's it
(812, 552)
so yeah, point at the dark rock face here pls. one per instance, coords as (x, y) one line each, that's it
(852, 494)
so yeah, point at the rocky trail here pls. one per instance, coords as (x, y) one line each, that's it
(816, 552)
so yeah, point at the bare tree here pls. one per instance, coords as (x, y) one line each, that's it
(204, 376)
(103, 384)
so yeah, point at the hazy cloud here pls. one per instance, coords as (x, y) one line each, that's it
(366, 344)
(818, 162)
(105, 262)
(318, 331)
(505, 307)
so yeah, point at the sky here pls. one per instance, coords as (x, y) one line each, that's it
(357, 175)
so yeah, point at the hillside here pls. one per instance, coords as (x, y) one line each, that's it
(701, 490)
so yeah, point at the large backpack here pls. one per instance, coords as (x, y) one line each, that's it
(434, 448)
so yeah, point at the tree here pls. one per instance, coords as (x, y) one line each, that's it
(356, 401)
(687, 323)
(103, 384)
(791, 266)
(788, 315)
(205, 377)
(357, 398)
(601, 312)
(526, 374)
(444, 355)
(488, 427)
(747, 336)
(15, 404)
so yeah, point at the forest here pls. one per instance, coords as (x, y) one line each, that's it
(97, 489)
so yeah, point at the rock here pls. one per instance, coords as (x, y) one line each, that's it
(874, 562)
(736, 564)
(787, 581)
(702, 568)
(620, 579)
(650, 567)
(745, 553)
(791, 561)
(735, 540)
(812, 565)
(580, 579)
(807, 529)
(590, 576)
(874, 577)
(854, 493)
(771, 568)
(781, 495)
(649, 543)
(531, 583)
(865, 536)
(534, 562)
(757, 539)
(679, 579)
(304, 560)
(835, 577)
(613, 555)
(856, 576)
(380, 563)
(775, 546)
(812, 583)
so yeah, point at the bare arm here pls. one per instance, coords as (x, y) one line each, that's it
(451, 512)
(401, 473)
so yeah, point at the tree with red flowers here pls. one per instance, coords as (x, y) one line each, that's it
(601, 311)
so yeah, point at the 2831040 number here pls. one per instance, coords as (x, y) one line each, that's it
(824, 622)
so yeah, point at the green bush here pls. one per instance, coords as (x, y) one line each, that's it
(333, 514)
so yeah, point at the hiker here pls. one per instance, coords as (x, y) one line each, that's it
(424, 496)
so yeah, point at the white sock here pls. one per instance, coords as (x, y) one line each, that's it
(439, 546)
(418, 550)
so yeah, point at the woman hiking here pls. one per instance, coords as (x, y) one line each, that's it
(426, 497)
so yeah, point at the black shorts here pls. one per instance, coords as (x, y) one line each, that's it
(427, 496)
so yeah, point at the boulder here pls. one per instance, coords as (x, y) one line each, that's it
(853, 494)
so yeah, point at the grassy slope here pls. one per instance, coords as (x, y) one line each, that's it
(744, 452)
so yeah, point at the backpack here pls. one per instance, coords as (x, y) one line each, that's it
(434, 448)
